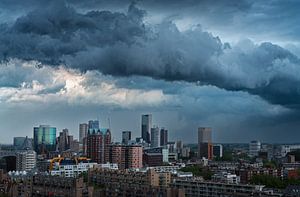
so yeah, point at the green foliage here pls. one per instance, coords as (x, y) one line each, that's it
(198, 171)
(270, 164)
(273, 182)
(227, 156)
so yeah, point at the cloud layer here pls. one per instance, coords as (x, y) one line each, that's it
(124, 57)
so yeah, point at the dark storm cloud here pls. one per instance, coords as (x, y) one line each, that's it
(121, 44)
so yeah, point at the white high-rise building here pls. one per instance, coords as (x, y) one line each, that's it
(26, 160)
(83, 130)
(155, 140)
(254, 148)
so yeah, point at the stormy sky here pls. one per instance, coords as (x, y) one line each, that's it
(230, 65)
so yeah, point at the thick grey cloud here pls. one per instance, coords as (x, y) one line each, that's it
(121, 44)
(129, 65)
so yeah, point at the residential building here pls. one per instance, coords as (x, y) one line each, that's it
(126, 137)
(126, 156)
(97, 145)
(195, 187)
(25, 160)
(134, 183)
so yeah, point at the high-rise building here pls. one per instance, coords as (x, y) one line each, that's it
(205, 148)
(155, 142)
(146, 127)
(254, 148)
(126, 137)
(218, 150)
(25, 160)
(179, 147)
(63, 140)
(93, 124)
(97, 145)
(83, 130)
(163, 137)
(44, 139)
(126, 156)
(18, 142)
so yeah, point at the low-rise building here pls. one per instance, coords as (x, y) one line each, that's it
(70, 167)
(195, 187)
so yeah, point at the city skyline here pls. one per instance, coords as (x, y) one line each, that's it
(233, 67)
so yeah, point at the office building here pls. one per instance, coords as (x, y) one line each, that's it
(126, 137)
(205, 148)
(185, 153)
(155, 142)
(146, 127)
(218, 150)
(93, 124)
(83, 130)
(163, 137)
(63, 140)
(25, 160)
(254, 148)
(18, 142)
(44, 139)
(97, 145)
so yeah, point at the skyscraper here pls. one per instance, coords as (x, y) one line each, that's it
(155, 142)
(44, 139)
(126, 136)
(83, 130)
(63, 140)
(205, 148)
(146, 127)
(163, 137)
(254, 148)
(93, 124)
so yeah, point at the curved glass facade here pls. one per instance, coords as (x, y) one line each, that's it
(44, 138)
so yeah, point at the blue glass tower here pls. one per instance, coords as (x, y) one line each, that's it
(44, 139)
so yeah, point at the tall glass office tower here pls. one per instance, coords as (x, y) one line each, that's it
(146, 127)
(44, 139)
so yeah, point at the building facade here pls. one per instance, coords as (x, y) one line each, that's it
(25, 160)
(126, 137)
(126, 156)
(98, 145)
(146, 127)
(44, 139)
(163, 137)
(83, 130)
(155, 141)
(205, 147)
